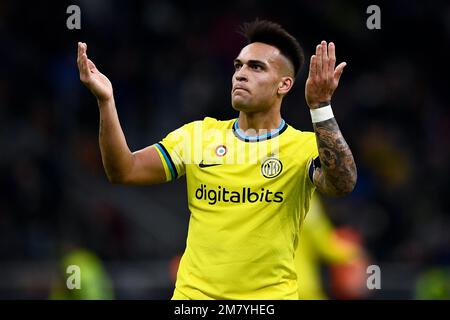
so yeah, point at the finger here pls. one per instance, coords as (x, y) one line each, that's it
(323, 44)
(331, 56)
(319, 60)
(78, 54)
(78, 49)
(313, 67)
(339, 70)
(84, 65)
(82, 48)
(84, 59)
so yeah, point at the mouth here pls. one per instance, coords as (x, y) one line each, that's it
(240, 88)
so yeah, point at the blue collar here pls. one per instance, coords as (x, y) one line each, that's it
(269, 135)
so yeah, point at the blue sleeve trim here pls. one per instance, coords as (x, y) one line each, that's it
(168, 160)
(315, 163)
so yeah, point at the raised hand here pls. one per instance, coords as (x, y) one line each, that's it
(93, 79)
(323, 78)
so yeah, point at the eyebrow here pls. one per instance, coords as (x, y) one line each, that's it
(252, 62)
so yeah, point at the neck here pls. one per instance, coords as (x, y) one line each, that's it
(266, 120)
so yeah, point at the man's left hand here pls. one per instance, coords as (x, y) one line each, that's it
(323, 77)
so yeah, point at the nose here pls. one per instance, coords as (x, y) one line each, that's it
(240, 75)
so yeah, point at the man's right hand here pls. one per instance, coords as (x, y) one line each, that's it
(93, 79)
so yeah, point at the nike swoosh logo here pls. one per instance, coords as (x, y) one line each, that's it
(204, 165)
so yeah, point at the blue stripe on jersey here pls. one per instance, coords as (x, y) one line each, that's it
(168, 160)
(273, 133)
(315, 163)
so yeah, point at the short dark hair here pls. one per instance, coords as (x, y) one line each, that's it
(273, 34)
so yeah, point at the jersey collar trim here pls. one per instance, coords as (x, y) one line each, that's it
(271, 134)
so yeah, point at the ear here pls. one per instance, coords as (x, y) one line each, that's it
(285, 85)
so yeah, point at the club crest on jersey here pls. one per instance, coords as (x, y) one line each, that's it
(271, 167)
(221, 151)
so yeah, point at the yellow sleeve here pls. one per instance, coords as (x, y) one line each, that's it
(314, 154)
(309, 187)
(177, 148)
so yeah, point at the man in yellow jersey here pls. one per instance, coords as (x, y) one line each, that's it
(244, 176)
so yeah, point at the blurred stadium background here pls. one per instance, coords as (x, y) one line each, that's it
(171, 63)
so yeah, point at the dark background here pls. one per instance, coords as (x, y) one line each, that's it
(170, 62)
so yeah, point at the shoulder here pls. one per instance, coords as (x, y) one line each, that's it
(299, 135)
(209, 122)
(302, 140)
(199, 126)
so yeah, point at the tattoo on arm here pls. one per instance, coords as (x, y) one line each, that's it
(337, 175)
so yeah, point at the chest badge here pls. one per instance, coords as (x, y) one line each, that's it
(271, 168)
(221, 151)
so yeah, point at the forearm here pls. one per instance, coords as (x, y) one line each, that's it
(337, 175)
(116, 156)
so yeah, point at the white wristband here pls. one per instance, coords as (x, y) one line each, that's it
(321, 114)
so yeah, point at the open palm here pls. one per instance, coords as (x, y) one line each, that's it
(323, 77)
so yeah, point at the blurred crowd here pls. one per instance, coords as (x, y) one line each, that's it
(170, 62)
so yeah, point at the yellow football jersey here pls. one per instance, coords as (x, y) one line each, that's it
(247, 196)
